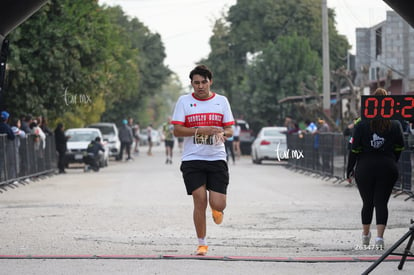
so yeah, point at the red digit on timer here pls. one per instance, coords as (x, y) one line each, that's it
(408, 107)
(383, 102)
(375, 109)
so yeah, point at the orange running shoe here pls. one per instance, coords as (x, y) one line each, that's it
(202, 250)
(217, 216)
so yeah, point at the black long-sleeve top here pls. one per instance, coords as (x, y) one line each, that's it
(364, 141)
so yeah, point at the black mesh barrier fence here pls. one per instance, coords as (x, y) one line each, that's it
(404, 183)
(322, 153)
(26, 157)
(326, 154)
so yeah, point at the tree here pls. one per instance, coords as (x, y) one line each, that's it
(75, 60)
(55, 60)
(149, 76)
(252, 30)
(271, 76)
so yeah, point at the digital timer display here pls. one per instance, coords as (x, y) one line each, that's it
(387, 107)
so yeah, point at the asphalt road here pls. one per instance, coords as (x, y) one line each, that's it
(135, 218)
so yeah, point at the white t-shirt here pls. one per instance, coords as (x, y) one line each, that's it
(237, 130)
(192, 112)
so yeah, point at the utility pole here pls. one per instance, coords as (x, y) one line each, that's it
(325, 60)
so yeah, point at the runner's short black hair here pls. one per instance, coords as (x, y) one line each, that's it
(203, 71)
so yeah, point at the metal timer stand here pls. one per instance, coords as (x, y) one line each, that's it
(390, 251)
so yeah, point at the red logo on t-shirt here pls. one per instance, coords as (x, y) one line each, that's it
(206, 119)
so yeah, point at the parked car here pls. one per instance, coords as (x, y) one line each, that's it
(79, 141)
(110, 135)
(246, 137)
(155, 136)
(270, 144)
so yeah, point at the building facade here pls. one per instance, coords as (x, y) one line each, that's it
(385, 55)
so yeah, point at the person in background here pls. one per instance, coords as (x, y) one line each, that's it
(135, 134)
(376, 148)
(323, 152)
(26, 120)
(5, 127)
(39, 136)
(19, 134)
(311, 127)
(289, 123)
(236, 140)
(294, 130)
(229, 148)
(149, 137)
(61, 146)
(44, 126)
(204, 166)
(168, 133)
(323, 127)
(180, 143)
(91, 158)
(126, 138)
(15, 126)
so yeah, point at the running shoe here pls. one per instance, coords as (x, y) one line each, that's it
(217, 216)
(366, 239)
(379, 243)
(202, 250)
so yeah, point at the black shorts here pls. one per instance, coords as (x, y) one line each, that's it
(236, 138)
(213, 174)
(169, 143)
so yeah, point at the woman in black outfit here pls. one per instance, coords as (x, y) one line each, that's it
(60, 140)
(376, 148)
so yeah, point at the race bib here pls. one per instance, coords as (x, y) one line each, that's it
(203, 139)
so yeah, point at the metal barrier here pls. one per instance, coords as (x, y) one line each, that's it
(404, 184)
(26, 157)
(326, 154)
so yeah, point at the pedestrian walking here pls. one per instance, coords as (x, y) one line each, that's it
(236, 139)
(168, 133)
(149, 138)
(126, 138)
(376, 148)
(204, 119)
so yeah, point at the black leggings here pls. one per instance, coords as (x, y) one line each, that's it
(375, 177)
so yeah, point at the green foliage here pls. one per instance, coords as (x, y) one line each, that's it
(150, 75)
(55, 52)
(265, 50)
(272, 77)
(80, 62)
